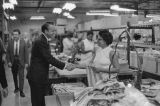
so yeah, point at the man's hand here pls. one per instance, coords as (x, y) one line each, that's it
(70, 67)
(5, 92)
(9, 64)
(3, 57)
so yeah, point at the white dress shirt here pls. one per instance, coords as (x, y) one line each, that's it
(16, 43)
(46, 37)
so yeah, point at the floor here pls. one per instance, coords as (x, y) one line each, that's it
(15, 99)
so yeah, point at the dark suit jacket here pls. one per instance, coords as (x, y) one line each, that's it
(40, 59)
(23, 52)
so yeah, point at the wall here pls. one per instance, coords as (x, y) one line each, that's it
(131, 19)
(80, 23)
(105, 22)
(72, 24)
(25, 26)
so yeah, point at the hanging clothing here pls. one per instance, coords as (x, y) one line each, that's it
(102, 59)
(88, 45)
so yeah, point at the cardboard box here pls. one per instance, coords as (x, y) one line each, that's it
(149, 64)
(61, 99)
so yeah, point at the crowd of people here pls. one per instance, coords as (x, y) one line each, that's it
(97, 58)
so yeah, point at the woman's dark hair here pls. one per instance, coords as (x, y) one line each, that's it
(89, 33)
(69, 34)
(106, 36)
(17, 30)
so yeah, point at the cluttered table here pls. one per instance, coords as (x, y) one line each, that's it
(151, 89)
(110, 93)
(76, 73)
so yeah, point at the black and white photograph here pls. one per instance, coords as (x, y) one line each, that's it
(79, 52)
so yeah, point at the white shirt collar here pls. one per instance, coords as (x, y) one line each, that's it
(17, 41)
(45, 36)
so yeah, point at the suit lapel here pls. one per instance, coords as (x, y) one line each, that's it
(43, 38)
(12, 46)
(21, 46)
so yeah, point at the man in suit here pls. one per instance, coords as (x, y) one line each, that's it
(17, 57)
(3, 80)
(39, 65)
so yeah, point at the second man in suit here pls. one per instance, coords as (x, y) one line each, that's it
(17, 57)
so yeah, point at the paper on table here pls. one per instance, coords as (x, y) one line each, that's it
(73, 72)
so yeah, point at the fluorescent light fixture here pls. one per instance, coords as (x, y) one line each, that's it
(71, 17)
(37, 18)
(69, 6)
(99, 11)
(66, 13)
(13, 17)
(14, 2)
(57, 10)
(134, 15)
(103, 14)
(117, 8)
(8, 6)
(152, 15)
(114, 7)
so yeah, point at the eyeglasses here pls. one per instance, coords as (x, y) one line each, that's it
(99, 39)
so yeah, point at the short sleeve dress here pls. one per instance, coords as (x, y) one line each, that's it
(102, 59)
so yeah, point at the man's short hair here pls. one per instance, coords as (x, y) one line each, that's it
(89, 33)
(17, 30)
(45, 26)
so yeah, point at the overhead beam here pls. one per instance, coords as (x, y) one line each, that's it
(78, 8)
(131, 1)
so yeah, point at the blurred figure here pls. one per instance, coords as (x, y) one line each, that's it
(3, 80)
(25, 36)
(17, 57)
(30, 42)
(34, 36)
(68, 44)
(87, 48)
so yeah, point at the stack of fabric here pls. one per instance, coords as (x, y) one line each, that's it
(111, 93)
(68, 88)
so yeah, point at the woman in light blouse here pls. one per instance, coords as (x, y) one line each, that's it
(104, 63)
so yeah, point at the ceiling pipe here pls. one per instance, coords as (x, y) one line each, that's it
(39, 5)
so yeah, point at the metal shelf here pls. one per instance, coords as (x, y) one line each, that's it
(140, 45)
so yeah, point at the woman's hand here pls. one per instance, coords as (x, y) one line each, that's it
(94, 68)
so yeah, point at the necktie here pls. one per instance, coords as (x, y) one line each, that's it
(16, 50)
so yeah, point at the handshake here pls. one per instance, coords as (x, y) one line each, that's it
(70, 66)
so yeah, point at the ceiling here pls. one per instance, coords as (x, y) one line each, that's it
(27, 8)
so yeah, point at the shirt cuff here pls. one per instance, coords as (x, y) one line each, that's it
(65, 66)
